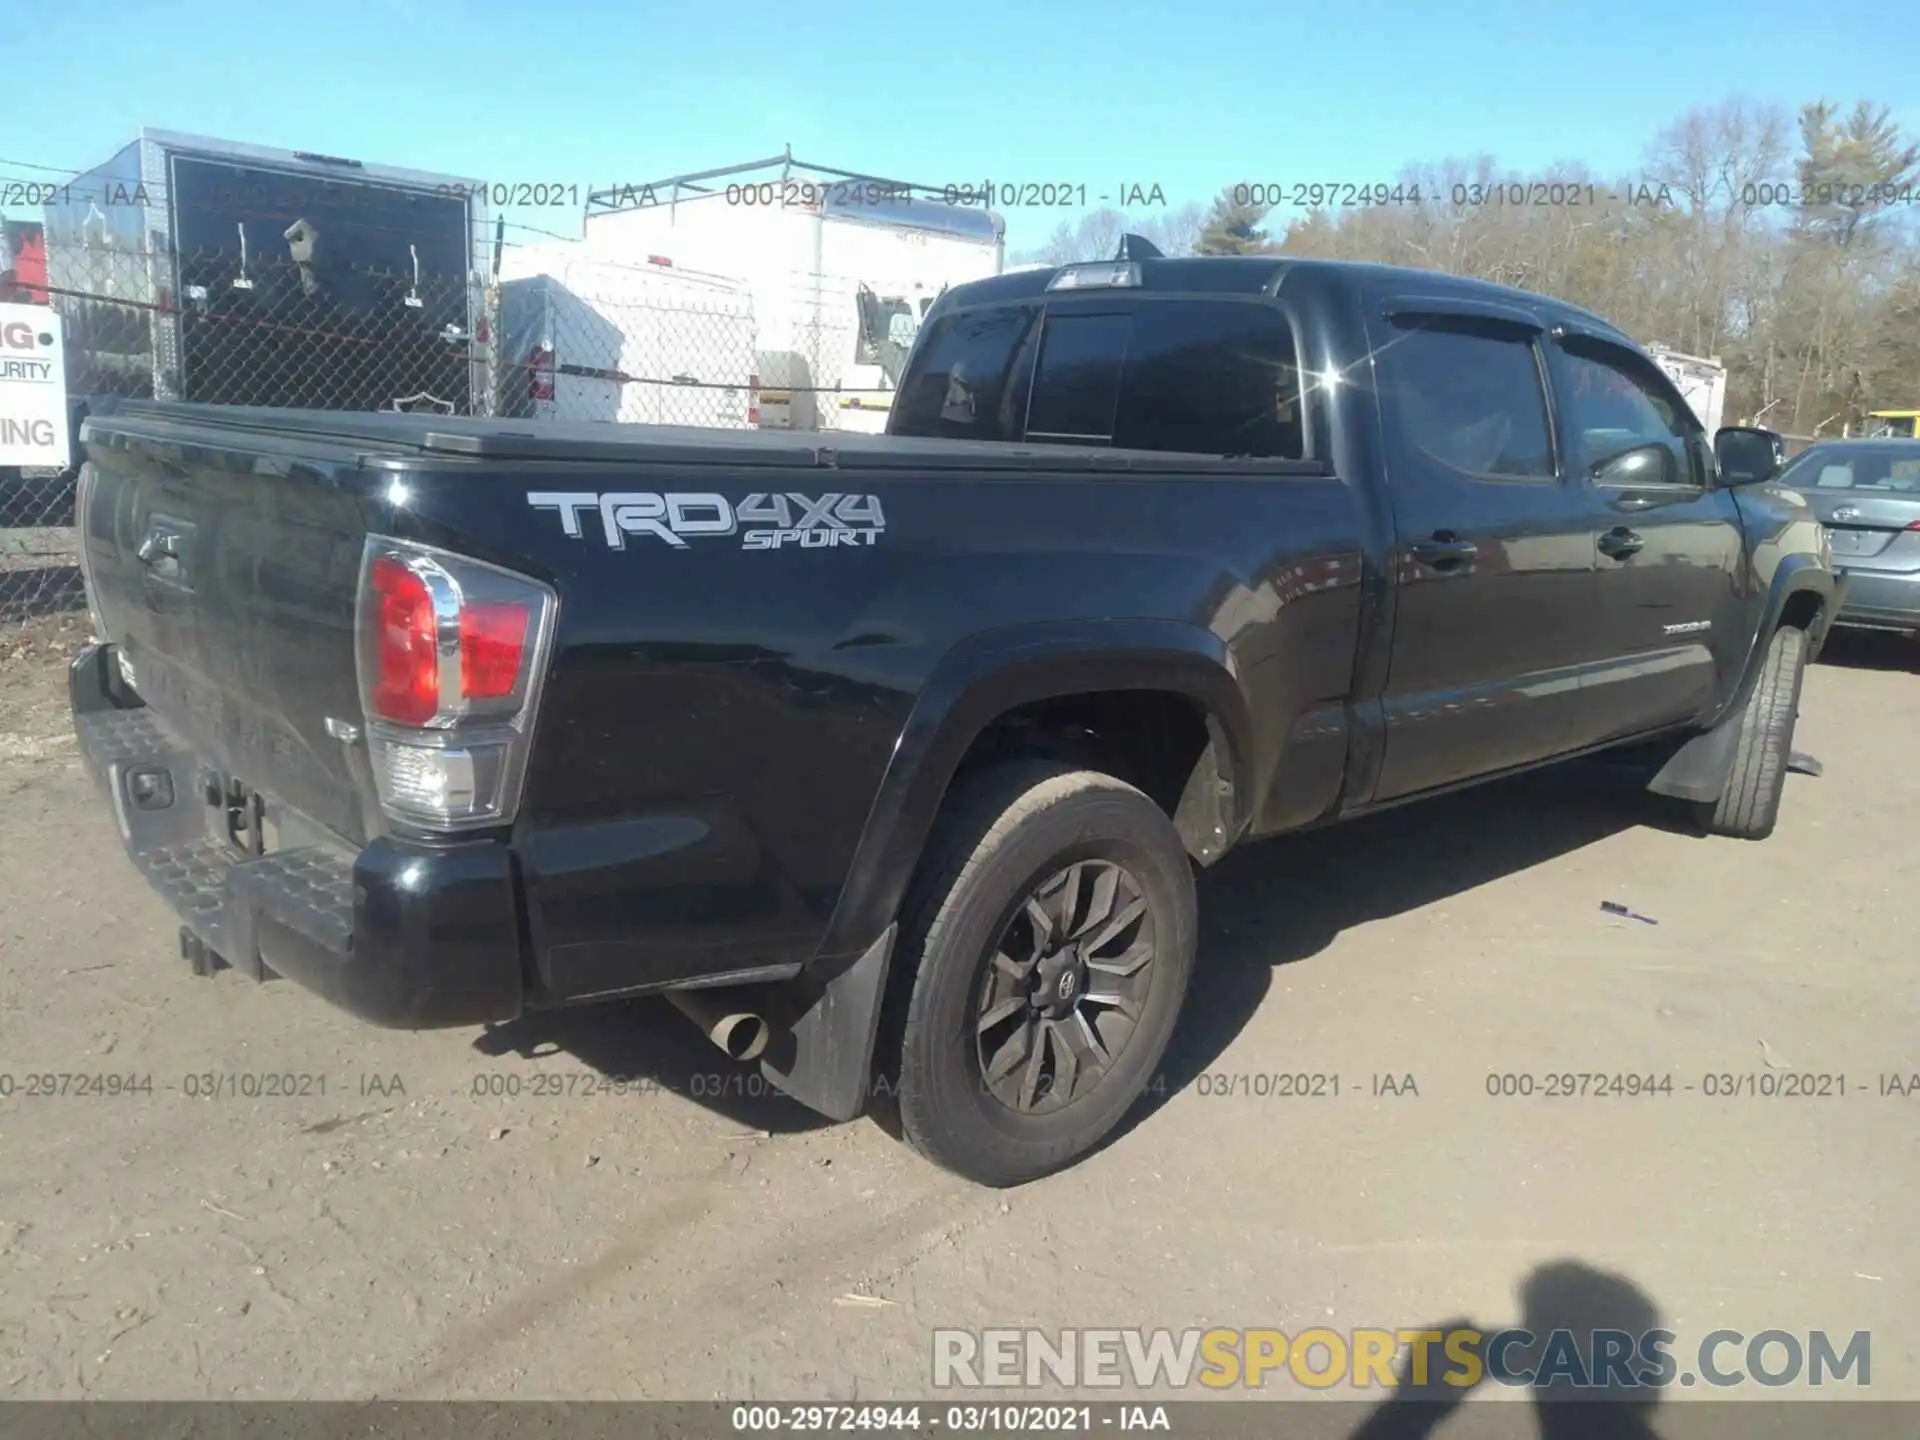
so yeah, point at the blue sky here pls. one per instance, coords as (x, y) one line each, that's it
(1190, 96)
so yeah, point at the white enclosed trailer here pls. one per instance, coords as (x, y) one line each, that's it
(222, 273)
(583, 338)
(1703, 382)
(840, 267)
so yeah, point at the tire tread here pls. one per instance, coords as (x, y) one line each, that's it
(990, 809)
(1749, 807)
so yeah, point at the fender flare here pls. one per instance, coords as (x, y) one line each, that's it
(1797, 574)
(1698, 770)
(995, 671)
(1800, 574)
(830, 1013)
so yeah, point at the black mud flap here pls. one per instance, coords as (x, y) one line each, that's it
(823, 1054)
(1698, 770)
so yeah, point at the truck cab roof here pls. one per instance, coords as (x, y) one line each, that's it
(1271, 274)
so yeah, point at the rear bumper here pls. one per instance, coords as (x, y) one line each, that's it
(1881, 600)
(403, 935)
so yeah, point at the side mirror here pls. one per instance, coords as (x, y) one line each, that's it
(1649, 464)
(1746, 454)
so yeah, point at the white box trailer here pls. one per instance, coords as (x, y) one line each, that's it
(1702, 381)
(840, 266)
(588, 339)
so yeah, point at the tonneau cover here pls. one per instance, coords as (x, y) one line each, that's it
(495, 439)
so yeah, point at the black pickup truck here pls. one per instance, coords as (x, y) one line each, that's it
(447, 718)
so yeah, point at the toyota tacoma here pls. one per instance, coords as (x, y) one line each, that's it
(896, 755)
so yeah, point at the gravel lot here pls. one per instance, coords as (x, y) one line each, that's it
(411, 1233)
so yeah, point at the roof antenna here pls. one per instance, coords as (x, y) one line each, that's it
(1135, 247)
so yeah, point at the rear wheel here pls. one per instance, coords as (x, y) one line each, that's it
(1049, 942)
(1749, 806)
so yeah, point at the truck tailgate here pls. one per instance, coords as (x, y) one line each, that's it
(227, 581)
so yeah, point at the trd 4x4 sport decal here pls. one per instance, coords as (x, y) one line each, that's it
(763, 522)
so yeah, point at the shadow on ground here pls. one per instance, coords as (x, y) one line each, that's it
(1267, 905)
(1285, 900)
(1581, 1361)
(1870, 650)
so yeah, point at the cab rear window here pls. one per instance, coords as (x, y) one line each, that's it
(965, 380)
(1200, 377)
(1076, 382)
(1211, 377)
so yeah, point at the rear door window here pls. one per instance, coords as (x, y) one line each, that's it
(968, 376)
(1468, 396)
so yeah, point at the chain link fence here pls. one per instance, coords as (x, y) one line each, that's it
(547, 335)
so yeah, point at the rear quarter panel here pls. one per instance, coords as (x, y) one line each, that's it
(718, 721)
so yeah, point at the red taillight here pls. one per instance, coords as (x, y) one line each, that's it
(540, 373)
(447, 740)
(493, 639)
(1915, 525)
(659, 260)
(406, 680)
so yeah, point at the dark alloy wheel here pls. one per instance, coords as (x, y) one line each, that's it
(1065, 989)
(1043, 958)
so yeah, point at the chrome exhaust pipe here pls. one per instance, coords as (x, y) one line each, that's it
(742, 1033)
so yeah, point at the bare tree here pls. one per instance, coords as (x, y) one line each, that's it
(1812, 306)
(1096, 235)
(1785, 243)
(1099, 234)
(1175, 232)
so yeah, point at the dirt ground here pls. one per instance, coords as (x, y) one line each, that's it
(427, 1226)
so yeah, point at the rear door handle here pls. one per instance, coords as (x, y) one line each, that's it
(1444, 551)
(1620, 542)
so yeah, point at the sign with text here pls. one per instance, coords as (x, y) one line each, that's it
(33, 389)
